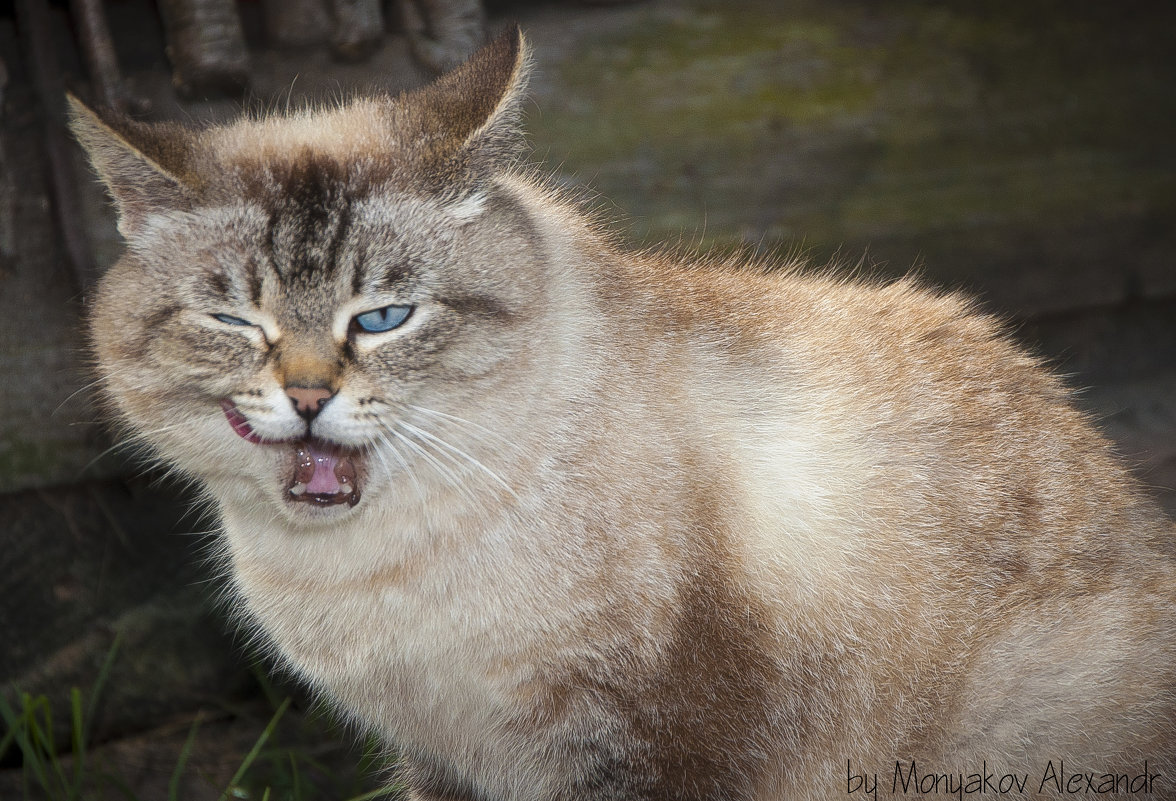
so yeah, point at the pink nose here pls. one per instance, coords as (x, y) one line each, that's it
(308, 401)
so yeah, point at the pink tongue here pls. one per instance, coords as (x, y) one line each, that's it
(323, 479)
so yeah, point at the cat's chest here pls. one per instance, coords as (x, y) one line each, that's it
(427, 653)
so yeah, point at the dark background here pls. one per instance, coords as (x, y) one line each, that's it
(1021, 151)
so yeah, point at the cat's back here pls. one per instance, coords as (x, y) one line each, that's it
(913, 392)
(859, 433)
(905, 485)
(885, 430)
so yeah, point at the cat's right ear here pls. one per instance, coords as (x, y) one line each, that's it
(127, 156)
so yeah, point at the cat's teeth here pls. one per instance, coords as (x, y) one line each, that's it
(298, 489)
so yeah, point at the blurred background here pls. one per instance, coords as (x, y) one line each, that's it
(1020, 150)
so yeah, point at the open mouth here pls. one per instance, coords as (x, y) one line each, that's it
(324, 475)
(321, 473)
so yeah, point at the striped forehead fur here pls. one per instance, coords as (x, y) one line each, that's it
(290, 163)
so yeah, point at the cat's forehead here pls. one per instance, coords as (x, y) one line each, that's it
(312, 158)
(311, 245)
(354, 134)
(318, 197)
(314, 216)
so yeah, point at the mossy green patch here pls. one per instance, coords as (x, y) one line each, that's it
(688, 80)
(21, 458)
(1003, 113)
(859, 123)
(27, 462)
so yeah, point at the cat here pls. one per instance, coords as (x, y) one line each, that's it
(559, 520)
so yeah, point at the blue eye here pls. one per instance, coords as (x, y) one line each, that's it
(385, 319)
(231, 320)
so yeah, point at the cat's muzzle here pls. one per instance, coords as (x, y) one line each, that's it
(321, 473)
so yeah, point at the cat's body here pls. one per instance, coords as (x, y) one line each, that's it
(586, 524)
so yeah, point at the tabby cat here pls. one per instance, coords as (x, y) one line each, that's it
(559, 520)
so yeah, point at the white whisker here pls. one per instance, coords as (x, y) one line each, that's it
(86, 386)
(407, 469)
(463, 421)
(137, 444)
(430, 458)
(459, 452)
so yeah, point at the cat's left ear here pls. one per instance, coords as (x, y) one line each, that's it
(468, 119)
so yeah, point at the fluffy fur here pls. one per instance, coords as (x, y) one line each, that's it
(632, 526)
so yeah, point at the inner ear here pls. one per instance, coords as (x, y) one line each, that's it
(140, 164)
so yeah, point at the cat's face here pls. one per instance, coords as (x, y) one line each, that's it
(305, 324)
(317, 361)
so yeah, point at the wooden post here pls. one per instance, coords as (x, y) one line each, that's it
(40, 53)
(359, 26)
(206, 45)
(443, 33)
(297, 23)
(98, 49)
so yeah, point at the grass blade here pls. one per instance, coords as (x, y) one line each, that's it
(19, 727)
(253, 752)
(295, 777)
(9, 718)
(41, 736)
(99, 684)
(77, 732)
(173, 786)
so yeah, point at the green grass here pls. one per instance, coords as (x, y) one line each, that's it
(285, 763)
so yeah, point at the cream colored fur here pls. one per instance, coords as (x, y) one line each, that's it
(651, 526)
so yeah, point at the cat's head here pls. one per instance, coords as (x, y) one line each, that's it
(313, 303)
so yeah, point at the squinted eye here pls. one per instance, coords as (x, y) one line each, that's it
(385, 319)
(231, 320)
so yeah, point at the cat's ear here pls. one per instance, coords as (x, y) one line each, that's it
(130, 159)
(469, 117)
